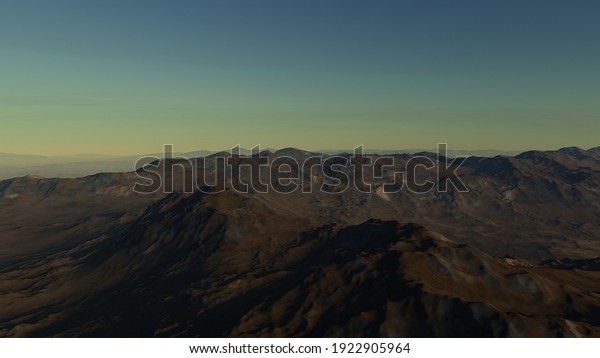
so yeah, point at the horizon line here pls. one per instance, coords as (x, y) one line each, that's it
(271, 149)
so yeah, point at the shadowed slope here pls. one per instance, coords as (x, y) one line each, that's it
(227, 265)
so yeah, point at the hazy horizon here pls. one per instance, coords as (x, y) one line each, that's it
(124, 77)
(320, 150)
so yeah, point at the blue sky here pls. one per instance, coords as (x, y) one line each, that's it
(125, 77)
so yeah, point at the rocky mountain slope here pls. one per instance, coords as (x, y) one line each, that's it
(515, 256)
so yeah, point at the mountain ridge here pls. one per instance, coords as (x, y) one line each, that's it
(182, 263)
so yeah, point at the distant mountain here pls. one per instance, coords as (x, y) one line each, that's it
(595, 150)
(451, 152)
(22, 160)
(71, 166)
(71, 169)
(557, 188)
(294, 153)
(9, 159)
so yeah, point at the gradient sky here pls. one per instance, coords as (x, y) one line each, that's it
(125, 77)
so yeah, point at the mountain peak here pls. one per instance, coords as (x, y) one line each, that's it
(569, 150)
(575, 152)
(595, 150)
(293, 152)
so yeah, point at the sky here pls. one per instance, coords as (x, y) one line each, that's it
(125, 77)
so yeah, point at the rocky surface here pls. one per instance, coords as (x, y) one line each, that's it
(515, 256)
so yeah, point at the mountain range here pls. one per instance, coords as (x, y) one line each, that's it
(72, 166)
(515, 256)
